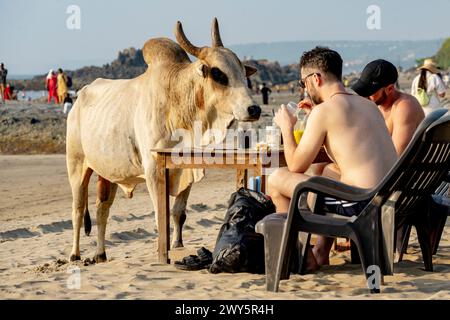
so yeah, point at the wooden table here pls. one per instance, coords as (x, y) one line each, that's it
(242, 160)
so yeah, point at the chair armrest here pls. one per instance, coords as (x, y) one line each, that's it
(332, 188)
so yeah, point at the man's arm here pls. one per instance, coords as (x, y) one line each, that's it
(404, 126)
(300, 157)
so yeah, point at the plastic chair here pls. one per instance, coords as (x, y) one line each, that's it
(416, 174)
(437, 211)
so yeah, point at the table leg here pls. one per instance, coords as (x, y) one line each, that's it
(263, 183)
(241, 178)
(258, 172)
(163, 209)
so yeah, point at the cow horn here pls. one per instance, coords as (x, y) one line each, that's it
(185, 43)
(215, 34)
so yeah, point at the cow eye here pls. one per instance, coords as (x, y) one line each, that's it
(219, 77)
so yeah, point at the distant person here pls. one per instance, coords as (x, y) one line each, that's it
(3, 75)
(292, 88)
(401, 111)
(68, 102)
(7, 93)
(302, 93)
(265, 91)
(62, 85)
(51, 85)
(13, 92)
(427, 87)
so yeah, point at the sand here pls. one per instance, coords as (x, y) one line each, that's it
(36, 239)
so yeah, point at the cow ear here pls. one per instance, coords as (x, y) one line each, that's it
(249, 70)
(202, 70)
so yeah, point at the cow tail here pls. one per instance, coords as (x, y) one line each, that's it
(87, 222)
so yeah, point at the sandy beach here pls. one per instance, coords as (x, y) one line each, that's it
(36, 238)
(123, 83)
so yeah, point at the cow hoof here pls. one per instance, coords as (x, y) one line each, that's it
(74, 257)
(177, 244)
(100, 258)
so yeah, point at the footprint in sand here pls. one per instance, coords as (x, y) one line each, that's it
(255, 282)
(17, 234)
(58, 265)
(207, 223)
(54, 227)
(117, 218)
(132, 217)
(220, 206)
(132, 235)
(94, 243)
(200, 207)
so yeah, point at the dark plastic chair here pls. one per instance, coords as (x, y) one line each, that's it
(416, 174)
(437, 211)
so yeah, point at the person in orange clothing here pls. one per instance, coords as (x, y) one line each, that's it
(51, 84)
(62, 89)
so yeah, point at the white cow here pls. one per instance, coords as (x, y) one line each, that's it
(115, 123)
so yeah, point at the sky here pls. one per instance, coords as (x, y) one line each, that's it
(34, 36)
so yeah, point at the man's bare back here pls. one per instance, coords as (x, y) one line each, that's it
(355, 134)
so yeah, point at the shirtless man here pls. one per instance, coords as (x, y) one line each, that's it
(351, 129)
(401, 111)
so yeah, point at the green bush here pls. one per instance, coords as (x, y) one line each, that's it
(442, 57)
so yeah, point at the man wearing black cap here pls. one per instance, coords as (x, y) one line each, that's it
(401, 111)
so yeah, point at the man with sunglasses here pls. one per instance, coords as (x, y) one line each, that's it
(401, 111)
(351, 129)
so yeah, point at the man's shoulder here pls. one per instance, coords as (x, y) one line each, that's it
(407, 102)
(344, 101)
(405, 106)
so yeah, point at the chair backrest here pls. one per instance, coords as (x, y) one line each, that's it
(421, 168)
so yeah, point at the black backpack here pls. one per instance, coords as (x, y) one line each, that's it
(69, 82)
(238, 247)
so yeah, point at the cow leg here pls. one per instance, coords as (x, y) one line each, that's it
(106, 192)
(79, 175)
(179, 217)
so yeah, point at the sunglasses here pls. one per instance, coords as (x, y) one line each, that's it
(302, 81)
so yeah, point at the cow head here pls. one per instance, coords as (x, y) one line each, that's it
(222, 77)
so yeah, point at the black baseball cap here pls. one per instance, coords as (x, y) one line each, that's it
(376, 75)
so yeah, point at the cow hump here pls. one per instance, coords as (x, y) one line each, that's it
(163, 50)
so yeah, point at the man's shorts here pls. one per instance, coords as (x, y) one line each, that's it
(341, 207)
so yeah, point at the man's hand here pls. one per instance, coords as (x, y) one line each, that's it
(306, 104)
(284, 119)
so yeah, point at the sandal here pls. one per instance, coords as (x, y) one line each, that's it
(193, 262)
